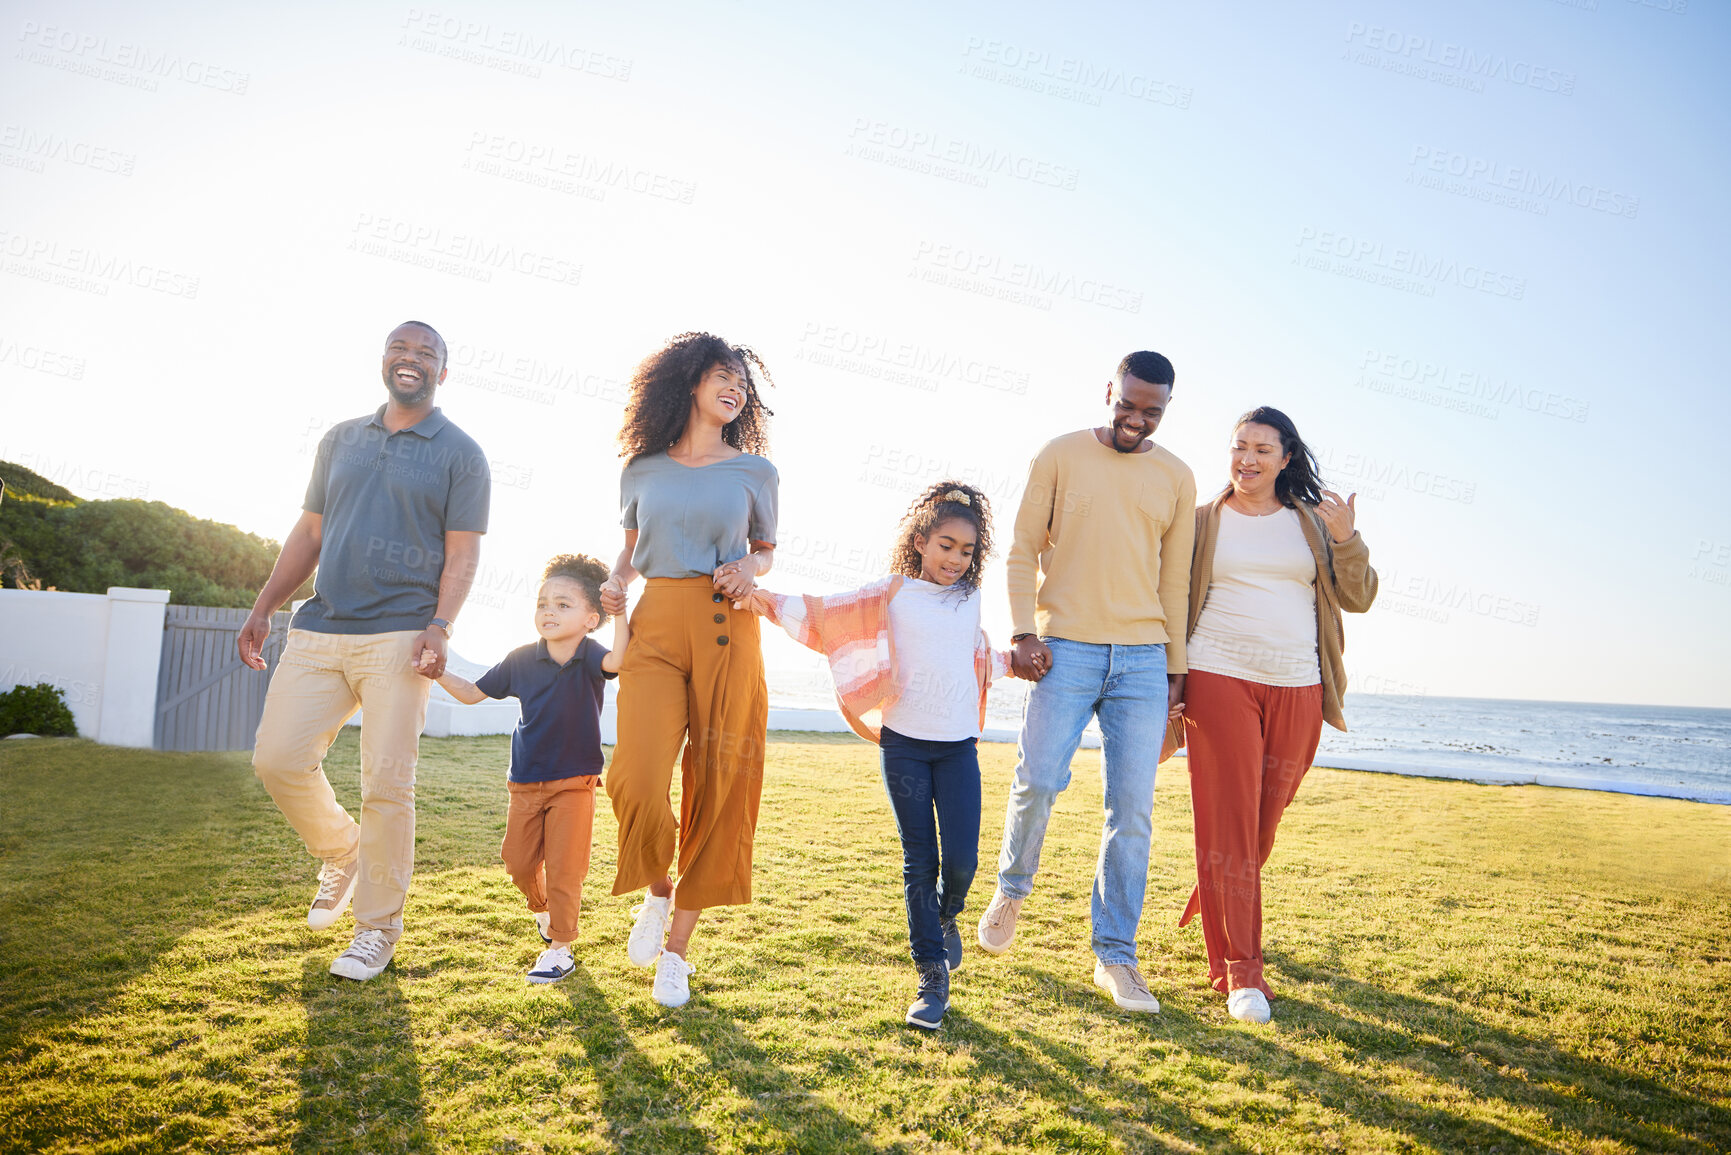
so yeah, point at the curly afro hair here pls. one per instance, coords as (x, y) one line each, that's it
(661, 387)
(940, 503)
(588, 573)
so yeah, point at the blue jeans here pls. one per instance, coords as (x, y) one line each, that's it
(1125, 686)
(926, 780)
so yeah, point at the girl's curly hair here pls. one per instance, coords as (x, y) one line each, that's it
(661, 387)
(940, 503)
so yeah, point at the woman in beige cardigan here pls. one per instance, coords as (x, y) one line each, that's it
(1275, 562)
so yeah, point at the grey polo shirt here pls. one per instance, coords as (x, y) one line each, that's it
(691, 520)
(387, 500)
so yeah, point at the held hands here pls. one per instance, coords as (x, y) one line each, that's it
(1174, 697)
(250, 643)
(1337, 515)
(613, 595)
(1030, 659)
(736, 579)
(428, 652)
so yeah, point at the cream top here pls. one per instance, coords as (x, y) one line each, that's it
(1258, 619)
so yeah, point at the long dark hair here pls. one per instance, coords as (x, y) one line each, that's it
(660, 401)
(1299, 480)
(938, 504)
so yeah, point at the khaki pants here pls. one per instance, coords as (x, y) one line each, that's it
(692, 676)
(549, 830)
(318, 684)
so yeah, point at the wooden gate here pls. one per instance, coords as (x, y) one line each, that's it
(206, 697)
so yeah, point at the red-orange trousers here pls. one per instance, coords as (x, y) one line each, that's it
(1249, 748)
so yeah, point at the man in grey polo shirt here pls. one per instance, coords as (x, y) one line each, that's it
(392, 522)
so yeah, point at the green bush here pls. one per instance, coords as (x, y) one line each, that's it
(80, 546)
(39, 709)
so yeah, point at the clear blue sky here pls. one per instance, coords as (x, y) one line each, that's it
(1477, 252)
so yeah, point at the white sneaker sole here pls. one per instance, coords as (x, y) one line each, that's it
(325, 919)
(921, 1023)
(348, 968)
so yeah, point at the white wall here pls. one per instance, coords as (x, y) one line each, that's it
(102, 650)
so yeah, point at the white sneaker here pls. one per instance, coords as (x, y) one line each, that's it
(1248, 1005)
(650, 930)
(543, 920)
(365, 958)
(998, 924)
(1126, 986)
(672, 980)
(336, 888)
(554, 964)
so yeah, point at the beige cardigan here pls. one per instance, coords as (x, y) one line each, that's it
(1344, 581)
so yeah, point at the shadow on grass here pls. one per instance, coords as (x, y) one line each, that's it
(1496, 1063)
(106, 861)
(644, 1109)
(1064, 1075)
(360, 1082)
(781, 1113)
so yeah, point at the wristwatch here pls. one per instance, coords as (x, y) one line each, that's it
(1014, 638)
(442, 624)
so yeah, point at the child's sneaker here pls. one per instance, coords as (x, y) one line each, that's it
(554, 964)
(366, 957)
(928, 1009)
(672, 979)
(336, 887)
(952, 943)
(543, 920)
(650, 930)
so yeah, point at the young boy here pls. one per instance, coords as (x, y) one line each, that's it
(555, 750)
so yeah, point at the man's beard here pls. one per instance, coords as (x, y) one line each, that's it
(405, 397)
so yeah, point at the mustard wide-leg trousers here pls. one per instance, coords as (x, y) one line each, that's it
(692, 675)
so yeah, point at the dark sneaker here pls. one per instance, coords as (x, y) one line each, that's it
(928, 1009)
(365, 958)
(554, 964)
(952, 943)
(336, 887)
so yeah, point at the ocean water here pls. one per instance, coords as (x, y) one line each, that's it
(1675, 751)
(1672, 751)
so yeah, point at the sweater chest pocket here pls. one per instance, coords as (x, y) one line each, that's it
(1155, 502)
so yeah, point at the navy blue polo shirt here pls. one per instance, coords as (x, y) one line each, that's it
(386, 500)
(558, 734)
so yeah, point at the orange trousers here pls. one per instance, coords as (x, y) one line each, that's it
(692, 675)
(549, 830)
(1250, 746)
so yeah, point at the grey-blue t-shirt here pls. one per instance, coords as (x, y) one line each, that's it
(691, 519)
(387, 500)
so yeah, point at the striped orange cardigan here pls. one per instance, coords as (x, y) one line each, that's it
(852, 630)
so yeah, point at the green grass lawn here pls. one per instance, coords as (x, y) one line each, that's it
(1457, 968)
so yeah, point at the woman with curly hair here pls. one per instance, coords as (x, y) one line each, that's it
(911, 668)
(698, 502)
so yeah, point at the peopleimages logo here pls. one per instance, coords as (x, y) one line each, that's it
(1368, 259)
(1400, 48)
(1486, 179)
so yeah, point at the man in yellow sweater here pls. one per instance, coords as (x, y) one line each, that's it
(1099, 576)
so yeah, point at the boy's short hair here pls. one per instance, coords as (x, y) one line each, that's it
(588, 573)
